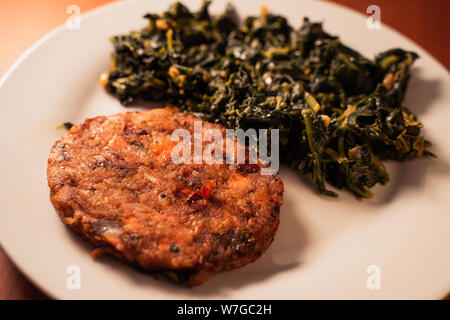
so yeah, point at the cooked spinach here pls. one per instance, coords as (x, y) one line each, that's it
(339, 113)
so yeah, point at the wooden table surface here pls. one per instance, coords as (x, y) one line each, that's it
(22, 22)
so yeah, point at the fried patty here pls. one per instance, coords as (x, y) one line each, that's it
(112, 181)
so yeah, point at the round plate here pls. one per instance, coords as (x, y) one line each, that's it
(324, 248)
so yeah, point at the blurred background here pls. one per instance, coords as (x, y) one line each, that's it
(23, 22)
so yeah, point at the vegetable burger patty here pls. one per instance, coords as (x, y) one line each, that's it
(112, 180)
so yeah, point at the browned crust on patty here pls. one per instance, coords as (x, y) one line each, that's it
(113, 182)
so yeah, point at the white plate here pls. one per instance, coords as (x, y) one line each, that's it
(323, 247)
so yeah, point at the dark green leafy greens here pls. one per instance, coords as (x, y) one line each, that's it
(339, 114)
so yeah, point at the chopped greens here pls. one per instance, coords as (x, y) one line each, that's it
(339, 113)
